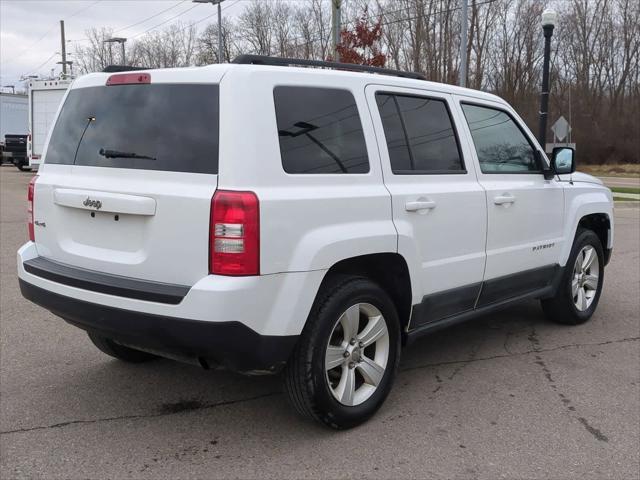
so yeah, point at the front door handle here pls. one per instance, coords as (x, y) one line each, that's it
(419, 205)
(504, 199)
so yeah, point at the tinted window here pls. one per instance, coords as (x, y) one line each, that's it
(501, 146)
(175, 124)
(420, 135)
(319, 131)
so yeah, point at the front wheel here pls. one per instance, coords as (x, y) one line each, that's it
(344, 365)
(579, 291)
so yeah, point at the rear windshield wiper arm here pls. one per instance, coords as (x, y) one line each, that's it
(118, 154)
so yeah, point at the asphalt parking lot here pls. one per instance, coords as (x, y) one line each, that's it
(506, 396)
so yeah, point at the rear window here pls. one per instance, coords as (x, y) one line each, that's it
(176, 125)
(319, 131)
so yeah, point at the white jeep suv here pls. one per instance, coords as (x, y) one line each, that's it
(264, 217)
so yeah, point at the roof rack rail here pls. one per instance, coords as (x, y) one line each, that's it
(122, 68)
(286, 62)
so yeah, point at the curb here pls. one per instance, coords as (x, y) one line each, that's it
(624, 204)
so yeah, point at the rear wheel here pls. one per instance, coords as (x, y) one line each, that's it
(579, 291)
(22, 165)
(345, 362)
(118, 351)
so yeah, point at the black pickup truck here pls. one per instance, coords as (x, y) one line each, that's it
(15, 151)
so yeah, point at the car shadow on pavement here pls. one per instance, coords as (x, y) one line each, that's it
(114, 390)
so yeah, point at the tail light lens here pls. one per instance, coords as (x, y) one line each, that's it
(129, 79)
(30, 198)
(234, 234)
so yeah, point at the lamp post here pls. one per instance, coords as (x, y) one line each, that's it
(462, 81)
(549, 20)
(64, 64)
(121, 41)
(216, 2)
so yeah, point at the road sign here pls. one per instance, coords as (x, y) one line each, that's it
(561, 128)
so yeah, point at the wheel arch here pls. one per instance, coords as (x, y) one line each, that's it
(600, 224)
(592, 210)
(389, 270)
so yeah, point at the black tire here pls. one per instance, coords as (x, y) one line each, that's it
(118, 351)
(305, 379)
(561, 308)
(23, 166)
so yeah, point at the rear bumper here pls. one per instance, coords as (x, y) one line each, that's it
(230, 344)
(247, 324)
(11, 155)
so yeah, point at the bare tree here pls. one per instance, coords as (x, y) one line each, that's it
(595, 64)
(93, 54)
(255, 26)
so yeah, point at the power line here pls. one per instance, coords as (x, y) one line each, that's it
(77, 12)
(33, 44)
(35, 70)
(431, 14)
(83, 9)
(166, 21)
(152, 16)
(209, 16)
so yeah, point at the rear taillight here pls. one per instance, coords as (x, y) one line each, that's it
(31, 193)
(234, 237)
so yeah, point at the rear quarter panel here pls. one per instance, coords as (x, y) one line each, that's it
(307, 221)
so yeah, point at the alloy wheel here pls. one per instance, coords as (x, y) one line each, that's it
(357, 354)
(584, 282)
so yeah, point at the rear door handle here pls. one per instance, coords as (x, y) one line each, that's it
(504, 199)
(419, 205)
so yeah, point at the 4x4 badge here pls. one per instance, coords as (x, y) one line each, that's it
(97, 204)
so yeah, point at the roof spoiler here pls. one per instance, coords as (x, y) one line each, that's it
(122, 68)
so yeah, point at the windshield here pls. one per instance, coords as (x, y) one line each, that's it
(171, 127)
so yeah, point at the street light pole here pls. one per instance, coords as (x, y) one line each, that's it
(462, 81)
(216, 2)
(121, 41)
(336, 17)
(549, 20)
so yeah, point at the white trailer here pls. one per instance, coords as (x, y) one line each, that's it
(14, 116)
(14, 125)
(45, 97)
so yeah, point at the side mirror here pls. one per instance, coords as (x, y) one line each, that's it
(562, 160)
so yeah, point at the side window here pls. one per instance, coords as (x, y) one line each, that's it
(319, 131)
(501, 146)
(420, 135)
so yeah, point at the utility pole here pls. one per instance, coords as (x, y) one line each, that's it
(549, 20)
(463, 43)
(64, 49)
(220, 60)
(335, 23)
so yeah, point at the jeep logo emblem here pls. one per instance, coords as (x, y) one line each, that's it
(97, 204)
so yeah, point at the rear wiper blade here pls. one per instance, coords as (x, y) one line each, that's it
(118, 154)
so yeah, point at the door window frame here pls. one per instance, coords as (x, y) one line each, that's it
(538, 156)
(426, 96)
